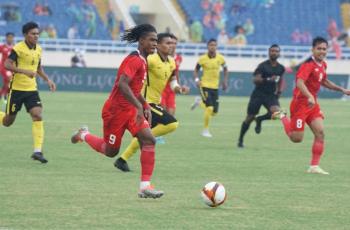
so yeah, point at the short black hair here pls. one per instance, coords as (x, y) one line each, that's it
(173, 36)
(29, 26)
(9, 34)
(274, 46)
(161, 36)
(134, 34)
(211, 40)
(318, 40)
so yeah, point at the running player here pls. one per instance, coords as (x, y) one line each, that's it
(168, 97)
(161, 70)
(25, 62)
(6, 75)
(126, 109)
(209, 82)
(268, 77)
(304, 107)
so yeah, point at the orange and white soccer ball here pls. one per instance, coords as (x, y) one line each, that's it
(213, 194)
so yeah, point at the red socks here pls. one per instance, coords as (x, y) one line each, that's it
(317, 150)
(286, 124)
(96, 143)
(147, 162)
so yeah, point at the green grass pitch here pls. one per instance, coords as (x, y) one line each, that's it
(266, 182)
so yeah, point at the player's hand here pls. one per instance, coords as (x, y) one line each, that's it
(311, 101)
(148, 115)
(52, 85)
(346, 91)
(185, 89)
(139, 116)
(198, 83)
(29, 73)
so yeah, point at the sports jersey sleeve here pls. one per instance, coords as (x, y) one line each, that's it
(304, 71)
(131, 68)
(259, 70)
(13, 55)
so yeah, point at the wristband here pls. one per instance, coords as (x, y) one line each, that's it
(197, 79)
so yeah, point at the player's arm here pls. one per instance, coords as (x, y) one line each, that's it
(146, 108)
(225, 81)
(196, 75)
(258, 79)
(304, 90)
(331, 85)
(10, 64)
(44, 76)
(280, 86)
(123, 86)
(176, 87)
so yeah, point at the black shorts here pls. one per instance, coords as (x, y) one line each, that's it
(160, 116)
(258, 99)
(210, 97)
(17, 98)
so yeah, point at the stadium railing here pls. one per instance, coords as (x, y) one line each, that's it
(189, 49)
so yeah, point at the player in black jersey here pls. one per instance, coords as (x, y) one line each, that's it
(267, 79)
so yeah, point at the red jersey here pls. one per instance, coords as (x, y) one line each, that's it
(5, 51)
(133, 66)
(178, 61)
(313, 74)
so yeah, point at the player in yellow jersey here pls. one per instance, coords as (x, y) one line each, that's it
(25, 63)
(161, 70)
(211, 64)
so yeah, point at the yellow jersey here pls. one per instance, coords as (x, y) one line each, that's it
(211, 70)
(28, 59)
(159, 73)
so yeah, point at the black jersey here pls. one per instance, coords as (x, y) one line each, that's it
(267, 71)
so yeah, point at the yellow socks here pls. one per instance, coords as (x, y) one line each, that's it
(2, 115)
(157, 131)
(38, 135)
(208, 113)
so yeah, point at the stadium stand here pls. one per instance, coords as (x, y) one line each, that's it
(82, 13)
(274, 20)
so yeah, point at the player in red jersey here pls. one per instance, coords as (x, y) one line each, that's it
(168, 97)
(304, 107)
(126, 109)
(5, 50)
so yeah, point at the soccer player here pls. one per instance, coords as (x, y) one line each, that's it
(25, 63)
(304, 107)
(126, 109)
(268, 78)
(209, 82)
(161, 70)
(5, 51)
(168, 96)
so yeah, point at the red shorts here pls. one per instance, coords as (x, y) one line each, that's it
(115, 124)
(300, 112)
(168, 98)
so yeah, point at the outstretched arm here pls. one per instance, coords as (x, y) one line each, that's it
(225, 81)
(331, 85)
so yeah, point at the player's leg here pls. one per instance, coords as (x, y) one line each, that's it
(171, 103)
(254, 105)
(14, 104)
(317, 128)
(210, 102)
(162, 124)
(147, 159)
(272, 105)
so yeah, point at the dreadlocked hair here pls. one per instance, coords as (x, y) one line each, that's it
(134, 34)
